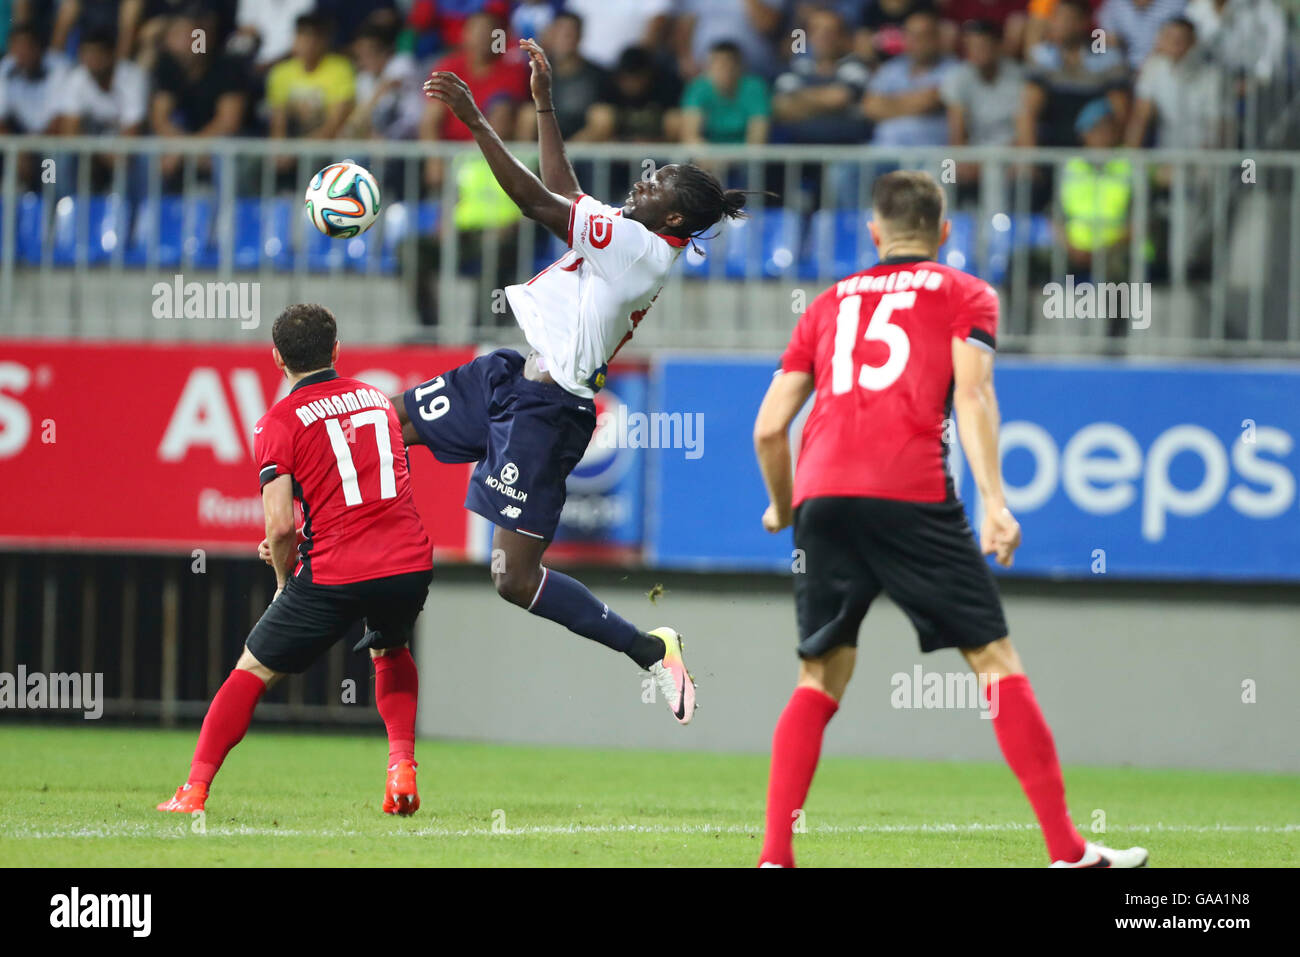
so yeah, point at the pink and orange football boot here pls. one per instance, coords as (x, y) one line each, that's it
(401, 796)
(187, 799)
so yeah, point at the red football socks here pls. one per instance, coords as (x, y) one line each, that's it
(1026, 743)
(397, 689)
(796, 747)
(225, 724)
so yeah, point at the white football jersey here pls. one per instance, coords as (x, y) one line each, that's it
(579, 310)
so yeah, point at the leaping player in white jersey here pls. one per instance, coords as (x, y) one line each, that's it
(528, 421)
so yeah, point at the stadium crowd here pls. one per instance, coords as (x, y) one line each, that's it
(885, 72)
(890, 73)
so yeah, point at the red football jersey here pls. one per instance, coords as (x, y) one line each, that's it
(879, 347)
(340, 440)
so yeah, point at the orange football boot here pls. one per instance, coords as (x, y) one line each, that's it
(401, 796)
(188, 799)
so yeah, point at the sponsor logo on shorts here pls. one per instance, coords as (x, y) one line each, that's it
(504, 484)
(511, 511)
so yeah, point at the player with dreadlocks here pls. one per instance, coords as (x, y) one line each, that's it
(528, 421)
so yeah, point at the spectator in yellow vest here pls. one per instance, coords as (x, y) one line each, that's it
(1095, 197)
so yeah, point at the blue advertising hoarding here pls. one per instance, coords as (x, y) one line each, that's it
(1135, 471)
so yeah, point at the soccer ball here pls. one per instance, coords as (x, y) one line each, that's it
(342, 200)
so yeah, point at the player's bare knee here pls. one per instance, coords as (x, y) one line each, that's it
(995, 660)
(247, 662)
(830, 673)
(517, 586)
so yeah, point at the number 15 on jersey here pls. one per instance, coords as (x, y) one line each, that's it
(879, 329)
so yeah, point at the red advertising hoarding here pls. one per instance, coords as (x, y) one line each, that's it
(149, 447)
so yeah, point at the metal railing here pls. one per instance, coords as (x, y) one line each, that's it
(101, 235)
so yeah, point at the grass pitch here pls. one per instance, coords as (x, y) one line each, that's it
(85, 797)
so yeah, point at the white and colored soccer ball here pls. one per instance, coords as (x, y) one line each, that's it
(342, 200)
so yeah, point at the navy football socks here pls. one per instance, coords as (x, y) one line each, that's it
(568, 602)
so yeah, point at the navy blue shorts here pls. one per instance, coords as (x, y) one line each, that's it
(526, 437)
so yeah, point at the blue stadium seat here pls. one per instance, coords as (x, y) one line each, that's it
(30, 228)
(1041, 235)
(765, 246)
(276, 231)
(548, 250)
(427, 220)
(783, 241)
(840, 244)
(696, 265)
(247, 226)
(959, 251)
(1001, 237)
(1006, 234)
(179, 226)
(106, 225)
(395, 224)
(323, 254)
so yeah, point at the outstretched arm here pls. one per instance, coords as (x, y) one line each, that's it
(528, 193)
(557, 171)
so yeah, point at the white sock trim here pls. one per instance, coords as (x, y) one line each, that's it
(540, 585)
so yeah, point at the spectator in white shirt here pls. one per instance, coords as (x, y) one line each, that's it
(1135, 24)
(982, 96)
(1246, 36)
(750, 24)
(102, 94)
(270, 26)
(30, 79)
(983, 93)
(610, 28)
(1180, 91)
(390, 102)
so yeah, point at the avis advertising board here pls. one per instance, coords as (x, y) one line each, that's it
(149, 447)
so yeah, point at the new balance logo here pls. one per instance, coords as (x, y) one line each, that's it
(511, 511)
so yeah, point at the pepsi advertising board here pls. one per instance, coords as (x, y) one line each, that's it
(604, 512)
(1170, 471)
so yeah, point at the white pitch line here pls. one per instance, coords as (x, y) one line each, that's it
(162, 831)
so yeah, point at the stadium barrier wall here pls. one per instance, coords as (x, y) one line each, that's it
(1141, 675)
